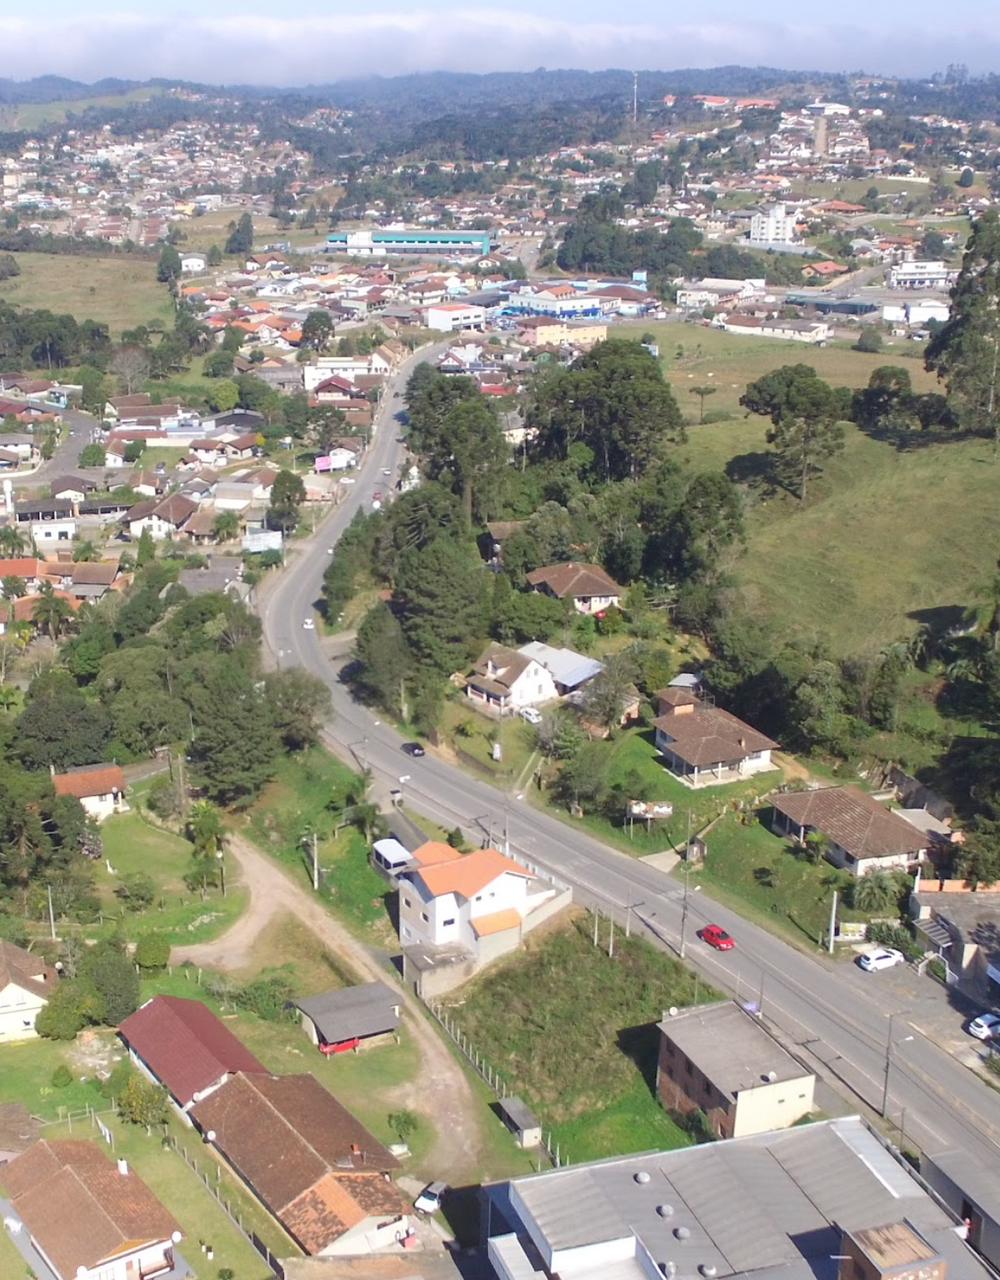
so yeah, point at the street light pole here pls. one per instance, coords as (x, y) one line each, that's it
(684, 910)
(888, 1067)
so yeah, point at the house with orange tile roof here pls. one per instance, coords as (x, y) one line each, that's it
(100, 788)
(467, 908)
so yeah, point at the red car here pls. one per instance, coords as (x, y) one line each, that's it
(716, 937)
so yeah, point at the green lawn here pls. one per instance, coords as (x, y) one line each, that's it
(26, 1069)
(572, 1031)
(693, 355)
(119, 291)
(471, 735)
(34, 115)
(758, 874)
(635, 763)
(132, 845)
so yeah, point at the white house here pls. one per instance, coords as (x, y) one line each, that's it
(162, 517)
(861, 834)
(26, 982)
(100, 788)
(80, 1218)
(446, 317)
(466, 901)
(194, 263)
(590, 589)
(506, 680)
(914, 314)
(47, 520)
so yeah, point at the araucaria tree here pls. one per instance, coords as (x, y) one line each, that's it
(804, 412)
(965, 352)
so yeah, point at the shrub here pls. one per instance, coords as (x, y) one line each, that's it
(161, 798)
(152, 951)
(114, 1085)
(71, 1007)
(138, 890)
(62, 1076)
(268, 997)
(893, 935)
(611, 621)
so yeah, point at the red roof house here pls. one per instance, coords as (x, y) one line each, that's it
(182, 1045)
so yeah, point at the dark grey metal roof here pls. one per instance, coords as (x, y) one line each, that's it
(366, 1010)
(518, 1114)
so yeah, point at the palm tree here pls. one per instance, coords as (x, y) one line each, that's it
(8, 696)
(86, 553)
(12, 541)
(226, 526)
(874, 894)
(205, 829)
(12, 587)
(51, 612)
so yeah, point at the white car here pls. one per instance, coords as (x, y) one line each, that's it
(309, 624)
(531, 715)
(881, 958)
(429, 1200)
(985, 1027)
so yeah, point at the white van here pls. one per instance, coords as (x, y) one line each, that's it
(390, 857)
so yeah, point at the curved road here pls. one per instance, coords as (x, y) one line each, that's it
(838, 1017)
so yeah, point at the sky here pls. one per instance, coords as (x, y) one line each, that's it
(317, 41)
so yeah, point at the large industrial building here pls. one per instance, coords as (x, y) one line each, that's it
(368, 243)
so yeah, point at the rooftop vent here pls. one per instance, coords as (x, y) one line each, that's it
(708, 1269)
(682, 1233)
(665, 1210)
(668, 1268)
(642, 1177)
(771, 1077)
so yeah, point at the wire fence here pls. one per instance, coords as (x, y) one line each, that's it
(489, 1074)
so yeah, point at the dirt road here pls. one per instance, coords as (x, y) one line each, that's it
(442, 1091)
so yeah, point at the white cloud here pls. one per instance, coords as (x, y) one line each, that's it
(302, 48)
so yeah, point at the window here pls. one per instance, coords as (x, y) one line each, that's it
(407, 902)
(446, 923)
(424, 917)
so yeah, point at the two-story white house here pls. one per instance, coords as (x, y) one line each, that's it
(26, 982)
(506, 680)
(471, 907)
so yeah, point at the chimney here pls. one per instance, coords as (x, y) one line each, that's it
(743, 742)
(123, 1168)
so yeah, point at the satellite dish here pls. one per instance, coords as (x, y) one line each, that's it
(210, 1135)
(672, 1011)
(176, 1237)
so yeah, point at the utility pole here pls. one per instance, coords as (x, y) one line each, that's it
(315, 848)
(52, 918)
(684, 910)
(635, 98)
(833, 923)
(888, 1067)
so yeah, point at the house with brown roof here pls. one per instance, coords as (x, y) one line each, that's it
(505, 680)
(100, 788)
(77, 1216)
(312, 1163)
(165, 518)
(587, 585)
(470, 907)
(862, 834)
(703, 745)
(182, 1045)
(26, 982)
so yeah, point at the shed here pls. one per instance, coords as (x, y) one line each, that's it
(350, 1017)
(390, 856)
(521, 1122)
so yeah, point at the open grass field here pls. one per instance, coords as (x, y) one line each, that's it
(132, 845)
(888, 535)
(213, 228)
(694, 355)
(32, 115)
(573, 1032)
(120, 291)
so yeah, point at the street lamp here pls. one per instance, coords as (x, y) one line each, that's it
(684, 910)
(888, 1066)
(220, 853)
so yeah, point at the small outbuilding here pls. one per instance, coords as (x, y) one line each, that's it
(351, 1017)
(521, 1121)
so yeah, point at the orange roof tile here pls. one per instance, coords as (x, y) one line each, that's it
(470, 875)
(433, 852)
(495, 922)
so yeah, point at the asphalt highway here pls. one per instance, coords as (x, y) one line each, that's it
(839, 1018)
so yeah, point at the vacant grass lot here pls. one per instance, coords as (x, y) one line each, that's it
(693, 355)
(32, 115)
(636, 763)
(573, 1032)
(759, 874)
(133, 846)
(120, 292)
